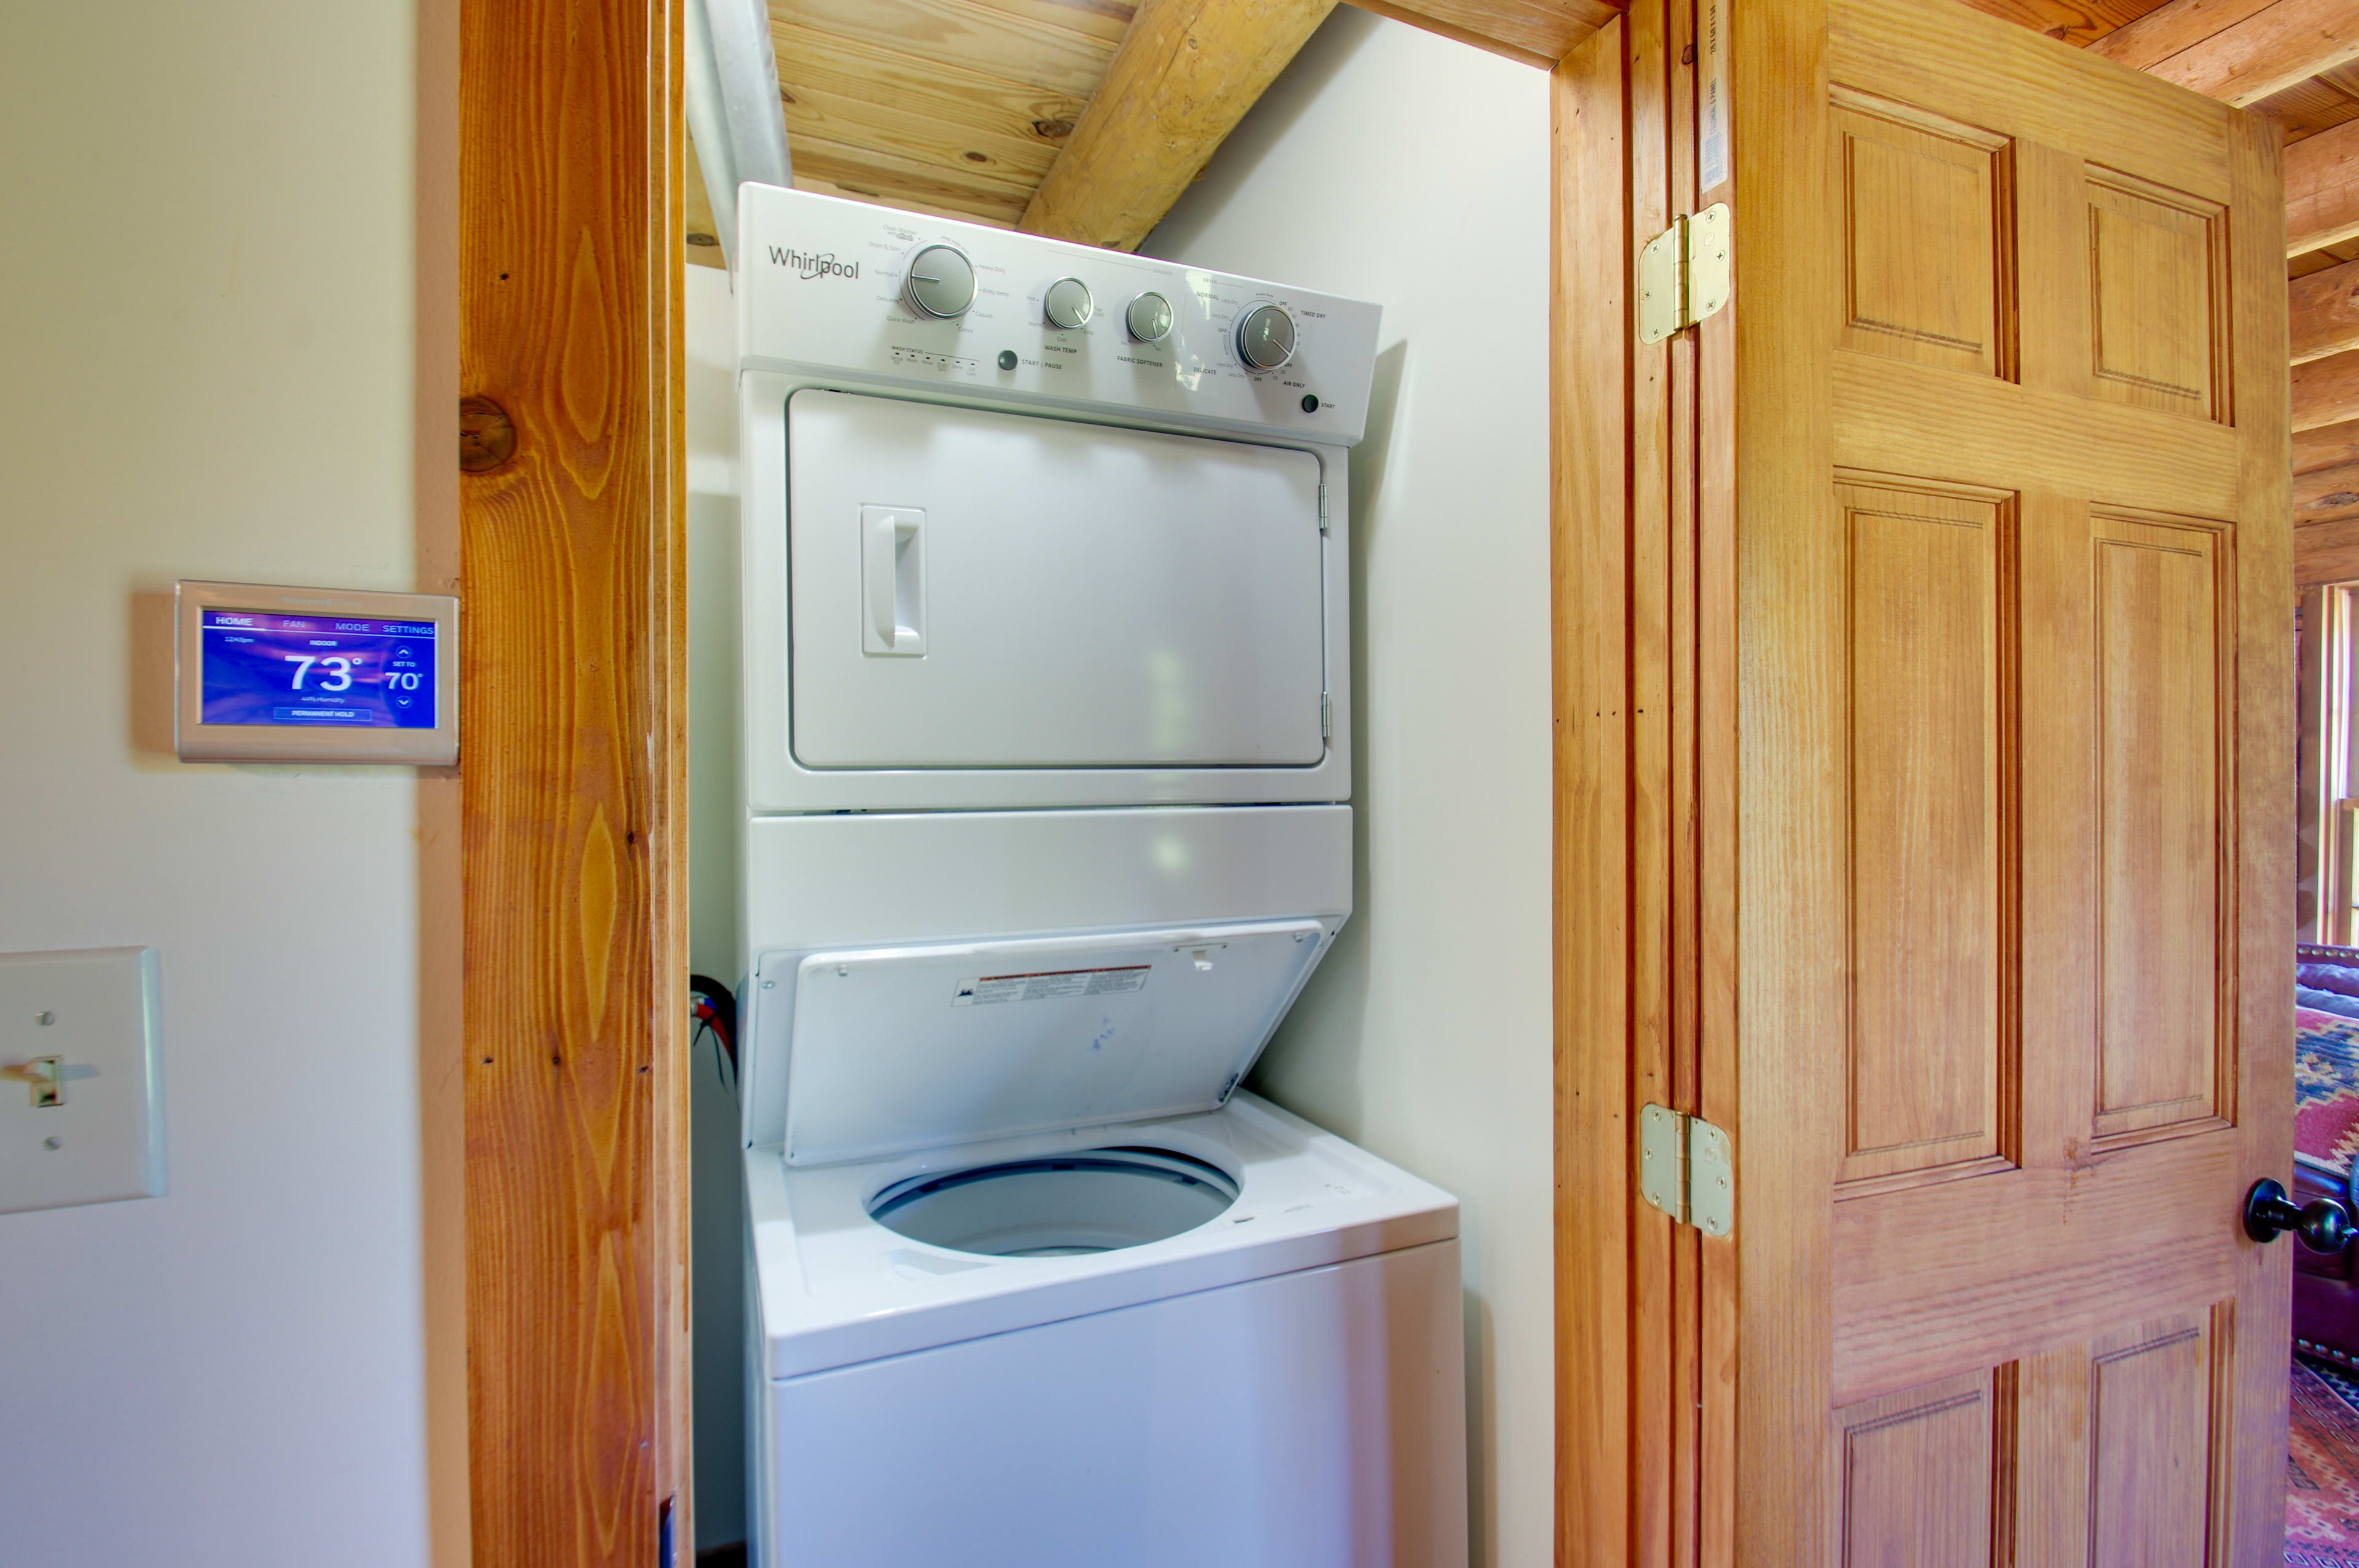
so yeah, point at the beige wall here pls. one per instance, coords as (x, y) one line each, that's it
(1394, 166)
(210, 367)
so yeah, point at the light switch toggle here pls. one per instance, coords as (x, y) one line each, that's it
(47, 1077)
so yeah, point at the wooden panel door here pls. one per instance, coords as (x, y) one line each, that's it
(1992, 513)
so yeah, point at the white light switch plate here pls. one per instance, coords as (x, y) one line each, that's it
(105, 1140)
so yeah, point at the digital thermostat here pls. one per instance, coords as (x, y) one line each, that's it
(315, 674)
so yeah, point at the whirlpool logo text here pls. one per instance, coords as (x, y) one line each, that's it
(810, 267)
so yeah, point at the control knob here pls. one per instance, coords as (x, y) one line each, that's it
(1068, 304)
(940, 282)
(1148, 318)
(1266, 337)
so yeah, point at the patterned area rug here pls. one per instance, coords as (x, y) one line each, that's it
(2323, 1477)
(2326, 1087)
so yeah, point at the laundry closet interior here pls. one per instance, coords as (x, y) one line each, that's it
(1133, 705)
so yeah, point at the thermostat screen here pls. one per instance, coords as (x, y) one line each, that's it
(316, 672)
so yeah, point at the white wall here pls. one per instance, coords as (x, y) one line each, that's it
(1391, 165)
(207, 358)
(717, 1197)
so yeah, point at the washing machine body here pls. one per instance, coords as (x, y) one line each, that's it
(1281, 1383)
(1045, 770)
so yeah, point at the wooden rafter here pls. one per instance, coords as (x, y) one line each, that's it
(1186, 73)
(2325, 318)
(2237, 50)
(1189, 70)
(1537, 32)
(2322, 175)
(2326, 392)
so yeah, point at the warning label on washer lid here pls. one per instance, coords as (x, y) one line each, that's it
(1040, 987)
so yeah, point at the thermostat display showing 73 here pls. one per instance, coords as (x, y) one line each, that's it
(265, 673)
(325, 670)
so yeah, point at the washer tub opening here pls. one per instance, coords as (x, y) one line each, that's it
(1098, 1200)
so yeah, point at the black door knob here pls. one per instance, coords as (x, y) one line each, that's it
(2323, 1227)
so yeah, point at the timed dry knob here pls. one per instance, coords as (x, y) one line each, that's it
(940, 282)
(1068, 304)
(1266, 337)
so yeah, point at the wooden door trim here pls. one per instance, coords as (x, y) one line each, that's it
(1589, 531)
(574, 815)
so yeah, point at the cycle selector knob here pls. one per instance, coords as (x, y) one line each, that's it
(1266, 337)
(940, 282)
(1067, 304)
(1148, 318)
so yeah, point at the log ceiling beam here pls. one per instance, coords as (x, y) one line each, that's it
(2322, 175)
(2329, 446)
(1186, 73)
(2326, 552)
(1537, 32)
(2239, 51)
(2326, 392)
(2326, 495)
(1189, 70)
(2323, 317)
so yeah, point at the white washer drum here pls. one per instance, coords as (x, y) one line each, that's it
(1064, 1206)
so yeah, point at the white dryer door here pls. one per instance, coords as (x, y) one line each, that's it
(974, 590)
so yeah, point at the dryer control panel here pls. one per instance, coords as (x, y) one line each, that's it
(844, 287)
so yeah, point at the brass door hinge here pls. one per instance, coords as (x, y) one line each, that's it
(1687, 1168)
(1684, 274)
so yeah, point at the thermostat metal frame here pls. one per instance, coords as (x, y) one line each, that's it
(197, 741)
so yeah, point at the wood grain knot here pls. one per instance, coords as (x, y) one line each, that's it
(1052, 130)
(487, 437)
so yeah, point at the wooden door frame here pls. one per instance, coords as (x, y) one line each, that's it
(573, 718)
(574, 809)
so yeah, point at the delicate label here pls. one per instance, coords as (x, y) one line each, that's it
(1049, 984)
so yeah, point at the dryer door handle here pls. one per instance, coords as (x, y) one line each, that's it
(893, 579)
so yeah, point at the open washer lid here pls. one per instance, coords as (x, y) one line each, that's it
(894, 1049)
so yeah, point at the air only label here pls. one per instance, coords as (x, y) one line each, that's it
(1049, 984)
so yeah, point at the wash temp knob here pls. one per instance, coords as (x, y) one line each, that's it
(1068, 303)
(1266, 337)
(940, 282)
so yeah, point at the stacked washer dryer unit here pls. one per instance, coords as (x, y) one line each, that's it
(1045, 761)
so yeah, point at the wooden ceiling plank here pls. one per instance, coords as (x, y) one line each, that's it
(1537, 32)
(957, 150)
(884, 175)
(2330, 445)
(2171, 30)
(958, 33)
(2322, 181)
(899, 204)
(2075, 24)
(696, 214)
(2307, 108)
(825, 62)
(1108, 19)
(2323, 316)
(2326, 392)
(1186, 74)
(2273, 48)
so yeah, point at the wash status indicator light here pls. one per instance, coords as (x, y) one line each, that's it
(316, 671)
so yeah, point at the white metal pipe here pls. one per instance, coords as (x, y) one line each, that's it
(733, 108)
